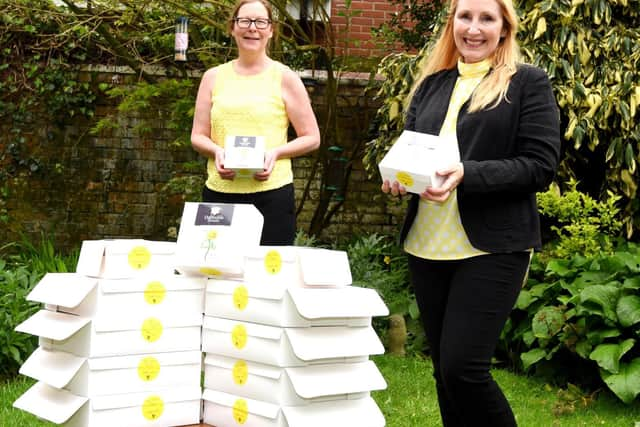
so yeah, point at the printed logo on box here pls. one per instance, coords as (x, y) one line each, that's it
(245, 142)
(210, 214)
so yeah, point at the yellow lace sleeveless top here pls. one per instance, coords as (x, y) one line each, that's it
(249, 105)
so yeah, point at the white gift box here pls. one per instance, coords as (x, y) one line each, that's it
(414, 159)
(160, 408)
(125, 258)
(291, 386)
(101, 376)
(244, 154)
(297, 266)
(223, 409)
(214, 237)
(127, 333)
(286, 347)
(278, 305)
(159, 296)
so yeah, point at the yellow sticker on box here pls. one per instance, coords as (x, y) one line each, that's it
(154, 293)
(240, 297)
(151, 329)
(405, 179)
(148, 368)
(152, 408)
(273, 262)
(139, 258)
(239, 336)
(240, 372)
(207, 271)
(240, 411)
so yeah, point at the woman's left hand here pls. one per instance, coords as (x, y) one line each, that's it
(452, 178)
(269, 163)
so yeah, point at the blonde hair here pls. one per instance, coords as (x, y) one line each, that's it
(444, 56)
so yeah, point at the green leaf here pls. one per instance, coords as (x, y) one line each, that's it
(583, 348)
(626, 383)
(631, 283)
(628, 310)
(532, 356)
(524, 300)
(559, 267)
(599, 335)
(547, 322)
(601, 300)
(608, 355)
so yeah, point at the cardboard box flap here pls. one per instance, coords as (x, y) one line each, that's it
(53, 325)
(264, 409)
(63, 289)
(55, 368)
(349, 301)
(229, 287)
(253, 329)
(287, 254)
(50, 403)
(254, 368)
(137, 320)
(128, 400)
(133, 361)
(324, 267)
(338, 413)
(124, 246)
(174, 282)
(329, 342)
(335, 379)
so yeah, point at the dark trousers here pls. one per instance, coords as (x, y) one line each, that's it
(464, 305)
(276, 206)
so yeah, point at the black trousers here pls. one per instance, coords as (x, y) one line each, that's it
(464, 305)
(276, 206)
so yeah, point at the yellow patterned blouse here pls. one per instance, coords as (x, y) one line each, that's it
(437, 232)
(249, 105)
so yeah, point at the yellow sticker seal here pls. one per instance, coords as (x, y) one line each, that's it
(240, 411)
(240, 297)
(404, 179)
(212, 234)
(240, 372)
(148, 368)
(151, 329)
(239, 336)
(210, 272)
(273, 262)
(152, 408)
(154, 293)
(139, 258)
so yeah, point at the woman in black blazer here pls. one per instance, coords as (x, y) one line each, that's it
(470, 240)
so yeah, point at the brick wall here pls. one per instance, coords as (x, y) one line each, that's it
(371, 13)
(114, 185)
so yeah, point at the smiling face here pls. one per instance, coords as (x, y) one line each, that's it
(477, 29)
(252, 39)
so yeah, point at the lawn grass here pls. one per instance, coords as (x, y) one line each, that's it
(410, 400)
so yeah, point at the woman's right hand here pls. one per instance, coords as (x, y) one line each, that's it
(219, 158)
(394, 188)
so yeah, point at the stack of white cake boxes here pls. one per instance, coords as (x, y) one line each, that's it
(119, 340)
(289, 344)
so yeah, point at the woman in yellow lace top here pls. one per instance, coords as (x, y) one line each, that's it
(469, 241)
(254, 95)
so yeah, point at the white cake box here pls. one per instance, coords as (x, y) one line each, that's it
(126, 333)
(159, 296)
(244, 154)
(278, 305)
(114, 375)
(414, 159)
(214, 237)
(297, 266)
(286, 347)
(223, 409)
(291, 386)
(160, 408)
(125, 258)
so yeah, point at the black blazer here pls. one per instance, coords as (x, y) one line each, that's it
(508, 152)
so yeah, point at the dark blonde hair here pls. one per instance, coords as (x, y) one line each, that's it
(445, 55)
(240, 3)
